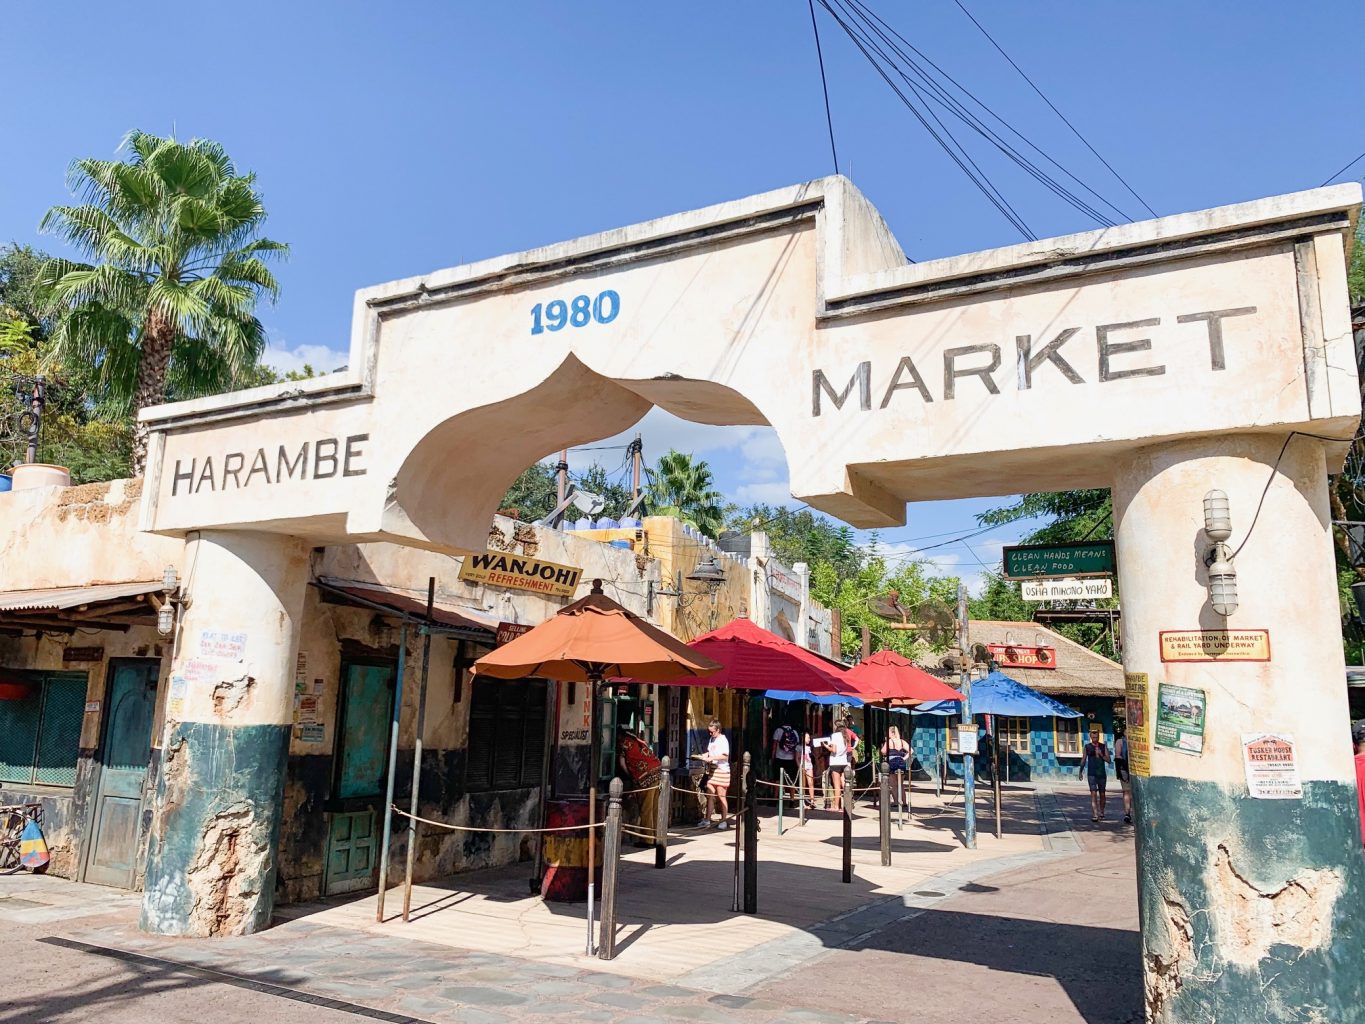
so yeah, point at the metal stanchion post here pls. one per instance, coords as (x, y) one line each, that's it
(611, 859)
(884, 814)
(750, 839)
(665, 813)
(781, 785)
(848, 823)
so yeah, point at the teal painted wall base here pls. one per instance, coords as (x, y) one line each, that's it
(1252, 910)
(214, 841)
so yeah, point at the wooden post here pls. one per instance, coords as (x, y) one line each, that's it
(849, 780)
(594, 755)
(750, 838)
(611, 858)
(417, 748)
(884, 814)
(665, 812)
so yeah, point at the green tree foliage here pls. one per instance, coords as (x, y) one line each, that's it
(76, 432)
(532, 495)
(857, 595)
(166, 305)
(595, 480)
(803, 536)
(683, 487)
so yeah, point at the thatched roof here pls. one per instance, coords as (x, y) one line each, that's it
(1080, 672)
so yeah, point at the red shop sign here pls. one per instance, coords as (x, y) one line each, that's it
(1014, 656)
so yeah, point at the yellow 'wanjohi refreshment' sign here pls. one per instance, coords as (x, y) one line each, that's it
(500, 569)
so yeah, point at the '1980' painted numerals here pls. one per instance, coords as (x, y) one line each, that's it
(578, 312)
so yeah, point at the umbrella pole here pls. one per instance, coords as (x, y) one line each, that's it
(594, 755)
(996, 773)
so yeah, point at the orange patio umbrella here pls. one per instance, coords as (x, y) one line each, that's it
(588, 641)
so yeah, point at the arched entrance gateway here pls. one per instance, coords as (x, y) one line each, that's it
(1164, 359)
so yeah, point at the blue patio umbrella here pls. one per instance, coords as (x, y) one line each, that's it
(828, 698)
(998, 694)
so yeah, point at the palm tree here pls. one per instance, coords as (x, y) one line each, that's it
(680, 487)
(166, 307)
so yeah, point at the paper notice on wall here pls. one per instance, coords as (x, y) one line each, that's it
(1180, 719)
(313, 733)
(301, 673)
(1271, 767)
(175, 702)
(1135, 689)
(200, 670)
(308, 710)
(224, 646)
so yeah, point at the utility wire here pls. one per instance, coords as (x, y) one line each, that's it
(824, 84)
(881, 28)
(986, 188)
(1339, 173)
(1075, 131)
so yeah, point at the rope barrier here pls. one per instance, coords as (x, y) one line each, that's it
(504, 831)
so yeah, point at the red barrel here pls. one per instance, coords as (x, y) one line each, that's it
(566, 853)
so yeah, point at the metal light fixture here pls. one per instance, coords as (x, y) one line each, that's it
(165, 615)
(708, 573)
(1222, 573)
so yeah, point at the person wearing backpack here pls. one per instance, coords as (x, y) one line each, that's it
(785, 744)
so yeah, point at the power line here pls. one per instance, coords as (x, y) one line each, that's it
(1075, 131)
(979, 179)
(1343, 170)
(880, 27)
(824, 84)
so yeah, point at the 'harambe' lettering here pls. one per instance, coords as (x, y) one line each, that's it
(322, 459)
(1117, 357)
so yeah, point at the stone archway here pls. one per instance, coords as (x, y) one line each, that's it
(1163, 359)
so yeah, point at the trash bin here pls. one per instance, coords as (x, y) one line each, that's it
(566, 853)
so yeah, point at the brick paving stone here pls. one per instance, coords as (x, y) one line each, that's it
(667, 991)
(709, 1014)
(557, 988)
(483, 995)
(622, 1000)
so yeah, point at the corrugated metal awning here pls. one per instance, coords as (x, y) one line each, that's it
(61, 598)
(406, 604)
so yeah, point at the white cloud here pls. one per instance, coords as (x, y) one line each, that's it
(319, 357)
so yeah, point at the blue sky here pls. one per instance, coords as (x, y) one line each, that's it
(390, 140)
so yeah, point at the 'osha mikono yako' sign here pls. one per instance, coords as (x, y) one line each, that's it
(499, 569)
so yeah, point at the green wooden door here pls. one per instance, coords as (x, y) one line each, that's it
(352, 852)
(366, 706)
(130, 705)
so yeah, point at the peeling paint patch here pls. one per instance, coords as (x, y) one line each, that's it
(231, 694)
(225, 876)
(1251, 921)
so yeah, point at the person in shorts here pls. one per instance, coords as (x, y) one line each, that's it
(896, 753)
(717, 756)
(1095, 769)
(1121, 771)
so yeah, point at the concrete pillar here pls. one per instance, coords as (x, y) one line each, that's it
(215, 831)
(1251, 909)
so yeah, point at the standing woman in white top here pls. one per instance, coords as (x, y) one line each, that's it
(718, 783)
(838, 761)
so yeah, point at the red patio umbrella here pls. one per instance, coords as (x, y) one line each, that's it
(753, 658)
(889, 676)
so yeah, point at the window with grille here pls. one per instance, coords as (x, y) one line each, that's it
(40, 734)
(506, 747)
(1014, 733)
(1066, 736)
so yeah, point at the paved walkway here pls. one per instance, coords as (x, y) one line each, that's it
(998, 927)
